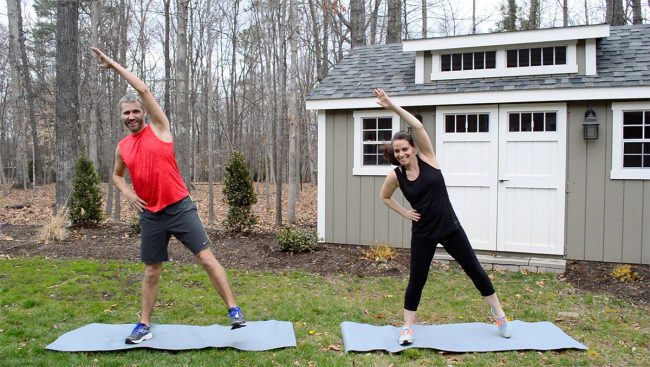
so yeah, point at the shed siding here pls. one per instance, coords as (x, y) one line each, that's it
(576, 180)
(354, 211)
(607, 220)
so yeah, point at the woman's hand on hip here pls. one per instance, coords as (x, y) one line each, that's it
(412, 215)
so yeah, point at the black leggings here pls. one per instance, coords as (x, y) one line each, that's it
(457, 245)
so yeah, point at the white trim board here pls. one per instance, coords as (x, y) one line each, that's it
(509, 96)
(322, 154)
(507, 38)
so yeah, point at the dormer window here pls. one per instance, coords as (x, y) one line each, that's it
(537, 56)
(553, 51)
(468, 61)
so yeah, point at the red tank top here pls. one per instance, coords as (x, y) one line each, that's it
(152, 165)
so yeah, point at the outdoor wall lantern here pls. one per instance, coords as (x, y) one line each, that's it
(590, 125)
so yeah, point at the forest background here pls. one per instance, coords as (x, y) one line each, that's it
(230, 74)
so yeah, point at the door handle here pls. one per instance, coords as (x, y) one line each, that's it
(502, 180)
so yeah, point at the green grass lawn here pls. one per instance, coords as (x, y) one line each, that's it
(40, 299)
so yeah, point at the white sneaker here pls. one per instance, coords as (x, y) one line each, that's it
(405, 336)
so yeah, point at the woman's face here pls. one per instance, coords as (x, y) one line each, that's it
(403, 150)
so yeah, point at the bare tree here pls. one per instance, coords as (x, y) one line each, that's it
(394, 22)
(374, 15)
(17, 92)
(637, 14)
(615, 12)
(509, 13)
(533, 16)
(292, 180)
(358, 22)
(93, 114)
(473, 16)
(166, 55)
(67, 127)
(183, 148)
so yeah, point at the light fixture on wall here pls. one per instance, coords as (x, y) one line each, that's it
(590, 126)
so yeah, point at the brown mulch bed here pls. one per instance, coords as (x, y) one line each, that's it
(257, 252)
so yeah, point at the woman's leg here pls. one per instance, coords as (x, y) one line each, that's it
(421, 256)
(457, 245)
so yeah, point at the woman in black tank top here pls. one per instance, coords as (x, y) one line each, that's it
(433, 219)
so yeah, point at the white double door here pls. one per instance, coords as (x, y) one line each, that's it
(504, 166)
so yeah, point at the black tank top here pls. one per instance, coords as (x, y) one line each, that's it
(428, 196)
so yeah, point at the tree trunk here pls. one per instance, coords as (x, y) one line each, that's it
(293, 115)
(637, 14)
(95, 9)
(373, 22)
(324, 60)
(315, 29)
(473, 15)
(183, 149)
(615, 12)
(357, 23)
(510, 21)
(168, 62)
(119, 88)
(565, 13)
(17, 100)
(30, 96)
(208, 91)
(280, 107)
(394, 26)
(3, 178)
(533, 16)
(67, 127)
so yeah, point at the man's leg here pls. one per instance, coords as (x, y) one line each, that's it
(149, 291)
(217, 274)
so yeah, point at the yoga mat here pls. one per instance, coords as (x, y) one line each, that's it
(255, 336)
(465, 337)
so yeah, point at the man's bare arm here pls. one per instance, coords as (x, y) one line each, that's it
(158, 118)
(118, 179)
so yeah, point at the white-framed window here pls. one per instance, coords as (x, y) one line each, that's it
(372, 129)
(503, 61)
(631, 141)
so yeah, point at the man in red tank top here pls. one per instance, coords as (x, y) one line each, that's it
(160, 196)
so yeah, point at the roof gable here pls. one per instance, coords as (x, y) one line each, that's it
(623, 61)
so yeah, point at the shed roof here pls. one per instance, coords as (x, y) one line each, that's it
(623, 60)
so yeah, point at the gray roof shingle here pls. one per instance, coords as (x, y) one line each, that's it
(623, 59)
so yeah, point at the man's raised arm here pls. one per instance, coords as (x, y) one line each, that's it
(158, 118)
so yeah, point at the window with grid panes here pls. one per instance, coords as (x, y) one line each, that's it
(532, 121)
(375, 133)
(636, 139)
(468, 61)
(525, 57)
(467, 123)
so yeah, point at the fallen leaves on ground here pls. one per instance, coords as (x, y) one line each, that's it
(34, 206)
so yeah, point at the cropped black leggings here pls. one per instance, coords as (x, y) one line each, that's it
(457, 245)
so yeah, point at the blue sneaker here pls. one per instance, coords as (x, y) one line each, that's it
(505, 330)
(236, 316)
(140, 333)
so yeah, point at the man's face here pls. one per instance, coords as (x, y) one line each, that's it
(133, 116)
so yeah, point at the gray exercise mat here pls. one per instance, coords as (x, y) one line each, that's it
(466, 337)
(255, 336)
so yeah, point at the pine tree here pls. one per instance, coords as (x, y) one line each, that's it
(240, 195)
(85, 205)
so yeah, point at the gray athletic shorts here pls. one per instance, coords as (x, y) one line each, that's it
(180, 220)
